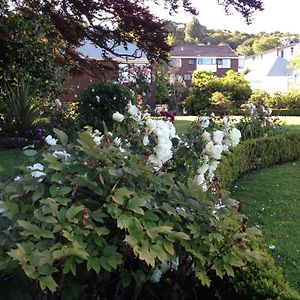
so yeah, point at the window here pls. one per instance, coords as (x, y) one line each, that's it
(175, 62)
(187, 76)
(192, 61)
(223, 63)
(206, 61)
(177, 76)
(241, 63)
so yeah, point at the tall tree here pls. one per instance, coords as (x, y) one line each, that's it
(110, 23)
(194, 32)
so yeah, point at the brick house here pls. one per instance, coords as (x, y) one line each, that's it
(115, 67)
(185, 59)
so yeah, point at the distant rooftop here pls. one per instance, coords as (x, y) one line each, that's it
(292, 44)
(131, 52)
(203, 51)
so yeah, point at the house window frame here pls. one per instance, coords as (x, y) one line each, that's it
(187, 76)
(176, 62)
(221, 65)
(206, 61)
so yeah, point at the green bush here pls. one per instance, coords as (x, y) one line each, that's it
(286, 112)
(220, 101)
(97, 220)
(62, 116)
(259, 153)
(259, 98)
(233, 86)
(98, 103)
(262, 280)
(288, 100)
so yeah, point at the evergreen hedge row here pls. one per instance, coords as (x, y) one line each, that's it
(259, 153)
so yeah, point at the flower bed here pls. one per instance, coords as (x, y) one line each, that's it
(137, 211)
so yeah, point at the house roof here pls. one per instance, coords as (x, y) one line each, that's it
(131, 52)
(203, 51)
(291, 45)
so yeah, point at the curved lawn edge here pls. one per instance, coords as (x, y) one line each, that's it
(257, 154)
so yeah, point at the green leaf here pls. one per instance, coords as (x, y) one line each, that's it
(120, 195)
(70, 266)
(10, 208)
(30, 152)
(181, 235)
(48, 282)
(102, 231)
(134, 204)
(203, 278)
(229, 270)
(123, 221)
(45, 233)
(28, 226)
(63, 138)
(53, 190)
(98, 215)
(30, 271)
(64, 190)
(46, 270)
(93, 263)
(54, 164)
(73, 211)
(169, 247)
(146, 255)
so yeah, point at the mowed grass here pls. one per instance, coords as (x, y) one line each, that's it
(9, 160)
(271, 200)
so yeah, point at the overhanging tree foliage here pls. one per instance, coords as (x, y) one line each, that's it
(110, 23)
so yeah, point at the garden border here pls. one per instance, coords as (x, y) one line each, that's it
(258, 153)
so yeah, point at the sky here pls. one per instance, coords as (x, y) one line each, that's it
(283, 16)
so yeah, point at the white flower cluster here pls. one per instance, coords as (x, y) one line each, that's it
(215, 144)
(36, 171)
(61, 155)
(163, 132)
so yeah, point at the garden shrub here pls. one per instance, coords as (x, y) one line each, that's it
(257, 122)
(106, 216)
(62, 116)
(286, 112)
(262, 280)
(113, 215)
(99, 101)
(20, 109)
(233, 86)
(259, 153)
(259, 97)
(220, 101)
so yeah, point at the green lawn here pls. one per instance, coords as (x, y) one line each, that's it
(8, 162)
(271, 200)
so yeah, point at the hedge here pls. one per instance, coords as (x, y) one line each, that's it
(259, 153)
(241, 112)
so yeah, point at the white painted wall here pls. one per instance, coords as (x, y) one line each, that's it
(260, 67)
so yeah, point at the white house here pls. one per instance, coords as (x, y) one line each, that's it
(270, 70)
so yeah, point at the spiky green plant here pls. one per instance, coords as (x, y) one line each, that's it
(20, 108)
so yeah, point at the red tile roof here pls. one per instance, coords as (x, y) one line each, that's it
(203, 51)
